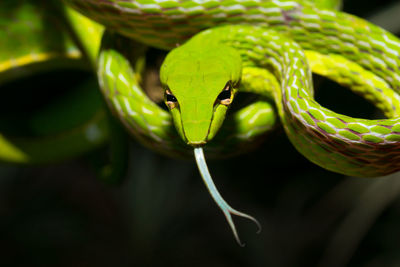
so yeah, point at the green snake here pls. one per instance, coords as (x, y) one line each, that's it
(221, 48)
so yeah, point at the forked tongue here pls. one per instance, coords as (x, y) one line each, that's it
(226, 209)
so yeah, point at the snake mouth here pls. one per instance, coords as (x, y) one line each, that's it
(196, 143)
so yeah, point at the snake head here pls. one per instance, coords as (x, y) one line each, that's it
(200, 83)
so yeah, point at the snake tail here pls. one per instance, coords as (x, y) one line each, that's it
(222, 204)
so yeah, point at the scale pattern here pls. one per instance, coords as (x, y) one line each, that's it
(356, 147)
(339, 143)
(153, 126)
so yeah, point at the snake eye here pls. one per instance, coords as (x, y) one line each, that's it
(170, 99)
(225, 97)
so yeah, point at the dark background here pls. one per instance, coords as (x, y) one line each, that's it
(162, 214)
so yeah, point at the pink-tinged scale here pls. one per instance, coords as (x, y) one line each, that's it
(372, 138)
(307, 118)
(396, 128)
(316, 114)
(380, 130)
(336, 122)
(349, 135)
(293, 104)
(327, 128)
(393, 137)
(357, 128)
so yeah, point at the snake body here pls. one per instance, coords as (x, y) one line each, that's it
(270, 48)
(351, 146)
(265, 47)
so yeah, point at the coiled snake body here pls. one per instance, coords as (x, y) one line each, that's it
(265, 47)
(367, 60)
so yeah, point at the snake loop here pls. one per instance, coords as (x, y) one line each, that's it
(338, 143)
(265, 47)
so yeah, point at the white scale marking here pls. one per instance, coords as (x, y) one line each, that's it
(387, 39)
(285, 4)
(148, 6)
(245, 114)
(108, 68)
(117, 106)
(192, 9)
(147, 111)
(257, 115)
(129, 109)
(269, 10)
(123, 79)
(385, 47)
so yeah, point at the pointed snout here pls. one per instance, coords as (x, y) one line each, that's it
(196, 120)
(196, 132)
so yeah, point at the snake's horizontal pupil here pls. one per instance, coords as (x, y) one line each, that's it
(171, 98)
(224, 95)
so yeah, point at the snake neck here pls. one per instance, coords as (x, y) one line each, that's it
(355, 147)
(336, 142)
